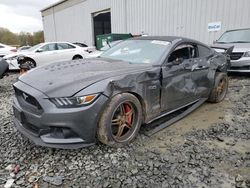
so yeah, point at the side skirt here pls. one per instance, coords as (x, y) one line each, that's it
(177, 118)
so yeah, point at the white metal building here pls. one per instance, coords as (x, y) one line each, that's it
(204, 20)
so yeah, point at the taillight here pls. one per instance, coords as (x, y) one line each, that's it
(13, 50)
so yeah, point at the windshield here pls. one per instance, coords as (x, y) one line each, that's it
(235, 36)
(137, 51)
(35, 47)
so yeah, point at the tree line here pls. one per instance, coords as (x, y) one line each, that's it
(20, 39)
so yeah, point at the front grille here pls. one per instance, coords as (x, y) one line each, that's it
(241, 68)
(236, 55)
(27, 101)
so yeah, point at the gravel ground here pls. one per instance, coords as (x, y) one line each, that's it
(209, 148)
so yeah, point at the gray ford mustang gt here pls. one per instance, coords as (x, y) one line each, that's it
(4, 67)
(70, 104)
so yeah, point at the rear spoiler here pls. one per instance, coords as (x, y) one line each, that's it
(223, 49)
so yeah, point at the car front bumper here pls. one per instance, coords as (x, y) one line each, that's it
(66, 128)
(241, 65)
(13, 64)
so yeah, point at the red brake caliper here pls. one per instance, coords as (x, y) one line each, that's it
(127, 110)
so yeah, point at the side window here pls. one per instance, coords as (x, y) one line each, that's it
(1, 46)
(49, 47)
(64, 46)
(203, 51)
(182, 52)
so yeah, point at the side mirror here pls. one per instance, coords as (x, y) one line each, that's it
(39, 50)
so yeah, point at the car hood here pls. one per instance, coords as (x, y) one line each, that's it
(64, 79)
(238, 47)
(12, 55)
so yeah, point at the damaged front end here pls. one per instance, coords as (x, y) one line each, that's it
(227, 51)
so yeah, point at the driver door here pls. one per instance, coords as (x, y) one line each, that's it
(178, 88)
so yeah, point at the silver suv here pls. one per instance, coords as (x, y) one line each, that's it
(240, 57)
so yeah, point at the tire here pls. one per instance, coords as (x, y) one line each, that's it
(29, 63)
(220, 88)
(76, 57)
(120, 121)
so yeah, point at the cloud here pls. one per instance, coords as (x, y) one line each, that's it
(22, 15)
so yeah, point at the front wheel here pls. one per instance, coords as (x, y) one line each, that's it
(120, 121)
(220, 88)
(29, 63)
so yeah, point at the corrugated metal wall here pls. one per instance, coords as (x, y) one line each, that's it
(187, 18)
(75, 23)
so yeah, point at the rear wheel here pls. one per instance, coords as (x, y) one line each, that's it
(120, 121)
(220, 88)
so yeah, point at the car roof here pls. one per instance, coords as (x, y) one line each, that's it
(56, 42)
(238, 29)
(163, 38)
(167, 38)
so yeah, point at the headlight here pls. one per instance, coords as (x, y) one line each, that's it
(247, 54)
(68, 102)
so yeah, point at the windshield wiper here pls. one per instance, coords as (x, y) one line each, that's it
(220, 42)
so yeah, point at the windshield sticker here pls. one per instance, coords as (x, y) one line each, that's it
(146, 61)
(165, 43)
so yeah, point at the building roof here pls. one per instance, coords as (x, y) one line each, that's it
(53, 5)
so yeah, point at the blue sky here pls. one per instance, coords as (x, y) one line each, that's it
(22, 15)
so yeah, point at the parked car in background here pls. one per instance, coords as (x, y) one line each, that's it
(240, 57)
(80, 44)
(135, 82)
(97, 53)
(88, 48)
(5, 49)
(45, 53)
(23, 48)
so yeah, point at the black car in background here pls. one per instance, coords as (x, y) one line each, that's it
(135, 82)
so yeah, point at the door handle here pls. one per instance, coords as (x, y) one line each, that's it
(198, 67)
(186, 66)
